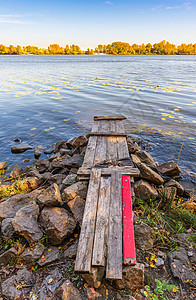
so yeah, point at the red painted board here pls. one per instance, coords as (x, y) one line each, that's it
(129, 255)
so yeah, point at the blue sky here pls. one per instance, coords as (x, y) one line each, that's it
(88, 23)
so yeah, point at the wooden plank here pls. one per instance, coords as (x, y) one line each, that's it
(85, 246)
(108, 171)
(98, 118)
(114, 257)
(111, 143)
(101, 147)
(90, 150)
(107, 134)
(101, 230)
(122, 147)
(129, 254)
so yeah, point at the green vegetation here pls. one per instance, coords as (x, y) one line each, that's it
(18, 186)
(116, 48)
(159, 292)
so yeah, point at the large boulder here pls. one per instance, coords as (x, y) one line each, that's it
(144, 236)
(169, 168)
(67, 291)
(146, 158)
(30, 255)
(133, 277)
(32, 182)
(150, 175)
(177, 185)
(77, 189)
(16, 171)
(20, 148)
(77, 142)
(59, 145)
(7, 229)
(8, 255)
(9, 207)
(38, 151)
(70, 179)
(58, 224)
(50, 196)
(3, 165)
(77, 206)
(143, 190)
(42, 165)
(25, 223)
(49, 256)
(75, 161)
(60, 162)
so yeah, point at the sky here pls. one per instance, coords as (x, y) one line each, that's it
(89, 23)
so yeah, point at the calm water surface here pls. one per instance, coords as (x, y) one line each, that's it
(44, 99)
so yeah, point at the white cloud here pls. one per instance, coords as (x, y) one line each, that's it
(109, 2)
(186, 5)
(12, 21)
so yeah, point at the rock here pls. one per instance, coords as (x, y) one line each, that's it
(9, 286)
(79, 141)
(169, 168)
(70, 179)
(9, 207)
(67, 291)
(71, 251)
(7, 229)
(31, 255)
(70, 142)
(135, 159)
(32, 172)
(92, 294)
(42, 165)
(77, 206)
(16, 171)
(178, 261)
(59, 163)
(58, 178)
(75, 161)
(133, 277)
(160, 262)
(150, 175)
(59, 145)
(58, 224)
(25, 223)
(174, 183)
(38, 151)
(65, 152)
(146, 158)
(143, 190)
(56, 155)
(50, 196)
(144, 236)
(50, 255)
(132, 145)
(94, 278)
(20, 148)
(50, 285)
(189, 187)
(77, 189)
(33, 182)
(3, 165)
(46, 176)
(8, 255)
(50, 150)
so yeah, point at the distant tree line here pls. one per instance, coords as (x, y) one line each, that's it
(116, 48)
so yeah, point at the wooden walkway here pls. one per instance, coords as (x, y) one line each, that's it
(105, 238)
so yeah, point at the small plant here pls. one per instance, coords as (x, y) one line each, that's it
(161, 289)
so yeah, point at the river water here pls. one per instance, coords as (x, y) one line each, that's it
(44, 99)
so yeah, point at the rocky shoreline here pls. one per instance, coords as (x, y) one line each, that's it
(41, 211)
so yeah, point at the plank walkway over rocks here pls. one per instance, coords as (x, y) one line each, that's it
(102, 239)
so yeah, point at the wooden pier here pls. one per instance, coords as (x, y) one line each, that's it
(107, 237)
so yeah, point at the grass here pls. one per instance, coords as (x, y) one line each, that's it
(17, 187)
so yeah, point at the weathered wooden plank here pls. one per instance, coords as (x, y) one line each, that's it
(98, 118)
(90, 150)
(108, 171)
(101, 230)
(107, 134)
(101, 146)
(114, 257)
(129, 254)
(85, 246)
(122, 147)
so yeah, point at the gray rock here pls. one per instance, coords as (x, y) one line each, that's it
(143, 190)
(169, 168)
(75, 161)
(32, 255)
(132, 145)
(50, 196)
(70, 179)
(79, 141)
(9, 286)
(77, 189)
(150, 175)
(8, 255)
(50, 150)
(71, 251)
(3, 165)
(16, 171)
(57, 178)
(178, 261)
(20, 148)
(38, 151)
(42, 165)
(67, 291)
(174, 183)
(70, 142)
(59, 162)
(65, 152)
(7, 229)
(32, 182)
(160, 262)
(49, 256)
(9, 207)
(59, 145)
(77, 206)
(25, 223)
(58, 224)
(51, 283)
(133, 277)
(146, 158)
(46, 176)
(144, 236)
(33, 172)
(135, 159)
